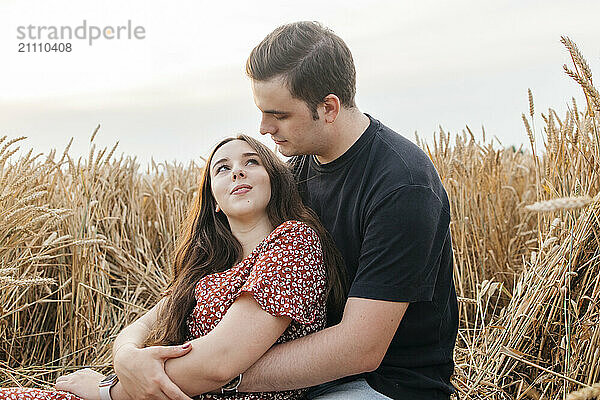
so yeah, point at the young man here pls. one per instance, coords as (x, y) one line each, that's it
(382, 200)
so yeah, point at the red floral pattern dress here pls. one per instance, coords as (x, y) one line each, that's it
(285, 275)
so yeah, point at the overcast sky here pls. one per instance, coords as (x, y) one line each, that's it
(173, 94)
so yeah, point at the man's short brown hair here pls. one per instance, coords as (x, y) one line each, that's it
(312, 60)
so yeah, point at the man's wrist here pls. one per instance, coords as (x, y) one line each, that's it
(233, 385)
(246, 383)
(106, 384)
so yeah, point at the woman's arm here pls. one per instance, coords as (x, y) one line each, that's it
(135, 333)
(129, 358)
(244, 334)
(285, 287)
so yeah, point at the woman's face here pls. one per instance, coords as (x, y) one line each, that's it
(239, 182)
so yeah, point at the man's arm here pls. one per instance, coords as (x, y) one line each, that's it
(356, 345)
(403, 237)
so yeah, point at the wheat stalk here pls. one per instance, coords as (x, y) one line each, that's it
(588, 393)
(564, 203)
(530, 96)
(10, 281)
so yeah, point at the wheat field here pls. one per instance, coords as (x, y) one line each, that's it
(86, 246)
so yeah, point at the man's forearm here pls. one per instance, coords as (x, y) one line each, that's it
(357, 344)
(311, 360)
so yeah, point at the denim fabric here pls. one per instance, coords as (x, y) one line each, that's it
(358, 389)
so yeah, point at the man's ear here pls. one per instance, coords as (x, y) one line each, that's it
(331, 106)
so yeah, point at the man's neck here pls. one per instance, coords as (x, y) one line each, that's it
(349, 125)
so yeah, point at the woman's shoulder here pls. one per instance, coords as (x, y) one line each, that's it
(294, 229)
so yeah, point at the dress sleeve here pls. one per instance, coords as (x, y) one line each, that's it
(288, 277)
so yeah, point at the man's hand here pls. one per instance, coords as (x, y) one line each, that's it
(142, 374)
(83, 383)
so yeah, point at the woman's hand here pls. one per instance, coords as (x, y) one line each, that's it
(142, 373)
(83, 383)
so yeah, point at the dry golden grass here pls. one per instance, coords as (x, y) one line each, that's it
(532, 262)
(85, 247)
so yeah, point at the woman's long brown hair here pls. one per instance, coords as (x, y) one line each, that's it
(206, 246)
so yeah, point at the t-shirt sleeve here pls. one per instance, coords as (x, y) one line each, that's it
(403, 239)
(288, 277)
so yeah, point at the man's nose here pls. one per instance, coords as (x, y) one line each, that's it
(266, 127)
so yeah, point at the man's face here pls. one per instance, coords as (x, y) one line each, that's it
(288, 120)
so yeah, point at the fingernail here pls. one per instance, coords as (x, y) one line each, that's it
(187, 345)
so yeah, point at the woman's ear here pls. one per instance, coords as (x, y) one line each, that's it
(331, 106)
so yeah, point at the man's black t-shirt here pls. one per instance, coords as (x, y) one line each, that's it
(385, 206)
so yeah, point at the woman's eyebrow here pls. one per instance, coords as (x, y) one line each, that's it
(220, 161)
(251, 154)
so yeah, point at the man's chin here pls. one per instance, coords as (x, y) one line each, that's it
(286, 151)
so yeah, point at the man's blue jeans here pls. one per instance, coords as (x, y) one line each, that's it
(358, 389)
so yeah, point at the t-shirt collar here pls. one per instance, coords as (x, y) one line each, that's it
(349, 154)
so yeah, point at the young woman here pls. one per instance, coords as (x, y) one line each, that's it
(253, 268)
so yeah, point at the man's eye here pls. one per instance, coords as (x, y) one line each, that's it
(280, 117)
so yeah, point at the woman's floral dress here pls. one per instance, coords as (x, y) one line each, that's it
(285, 275)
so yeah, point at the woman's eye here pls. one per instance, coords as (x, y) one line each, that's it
(222, 168)
(253, 161)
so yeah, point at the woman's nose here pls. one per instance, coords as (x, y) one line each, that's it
(238, 173)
